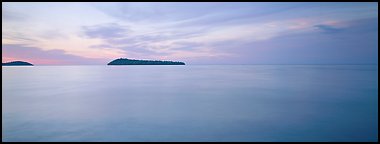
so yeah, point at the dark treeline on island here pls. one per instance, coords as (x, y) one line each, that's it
(125, 61)
(17, 63)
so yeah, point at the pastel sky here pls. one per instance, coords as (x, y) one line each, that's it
(196, 33)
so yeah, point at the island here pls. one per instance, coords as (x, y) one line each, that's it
(126, 61)
(17, 63)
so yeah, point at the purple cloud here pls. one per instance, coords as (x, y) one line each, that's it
(356, 44)
(106, 31)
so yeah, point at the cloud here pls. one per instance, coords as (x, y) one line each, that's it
(8, 14)
(52, 34)
(101, 46)
(158, 43)
(106, 31)
(328, 28)
(356, 44)
(37, 56)
(201, 31)
(157, 12)
(18, 37)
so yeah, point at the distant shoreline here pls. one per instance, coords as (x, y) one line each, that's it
(17, 63)
(126, 61)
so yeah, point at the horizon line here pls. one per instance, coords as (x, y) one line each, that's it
(193, 64)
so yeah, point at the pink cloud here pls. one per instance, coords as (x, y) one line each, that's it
(12, 52)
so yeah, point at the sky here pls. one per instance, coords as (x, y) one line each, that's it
(195, 33)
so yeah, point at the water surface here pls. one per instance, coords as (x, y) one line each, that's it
(190, 103)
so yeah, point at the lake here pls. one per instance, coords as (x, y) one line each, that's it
(190, 103)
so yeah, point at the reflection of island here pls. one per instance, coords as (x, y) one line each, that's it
(125, 61)
(17, 63)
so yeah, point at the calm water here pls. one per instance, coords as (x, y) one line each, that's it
(190, 103)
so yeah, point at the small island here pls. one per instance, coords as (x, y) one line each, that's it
(125, 61)
(17, 63)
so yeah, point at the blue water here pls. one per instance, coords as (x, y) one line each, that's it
(190, 103)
